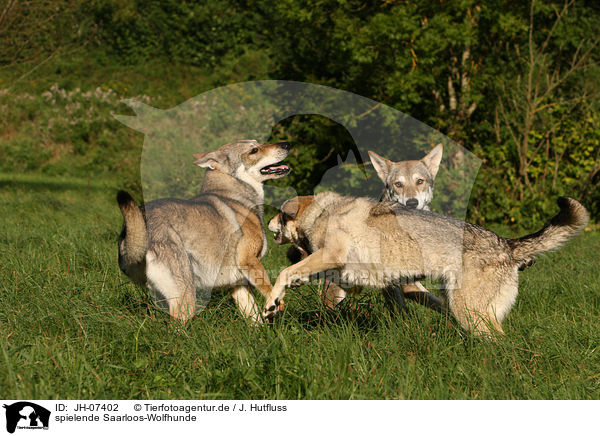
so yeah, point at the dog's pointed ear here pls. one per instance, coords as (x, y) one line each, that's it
(381, 165)
(290, 207)
(433, 159)
(294, 206)
(215, 160)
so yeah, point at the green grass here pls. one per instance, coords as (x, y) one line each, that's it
(72, 326)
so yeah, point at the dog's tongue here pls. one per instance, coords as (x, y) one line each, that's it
(275, 168)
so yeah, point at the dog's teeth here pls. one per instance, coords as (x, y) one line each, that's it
(274, 169)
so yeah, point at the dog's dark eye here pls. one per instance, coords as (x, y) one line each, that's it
(420, 181)
(398, 184)
(254, 150)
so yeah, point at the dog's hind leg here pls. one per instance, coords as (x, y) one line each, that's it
(173, 280)
(417, 292)
(503, 300)
(480, 322)
(394, 299)
(332, 294)
(502, 290)
(477, 305)
(245, 302)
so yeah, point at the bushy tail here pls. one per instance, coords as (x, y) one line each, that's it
(133, 239)
(569, 222)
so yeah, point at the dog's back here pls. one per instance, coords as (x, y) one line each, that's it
(382, 242)
(390, 238)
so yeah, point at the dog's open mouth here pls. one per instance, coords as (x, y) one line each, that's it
(278, 237)
(276, 170)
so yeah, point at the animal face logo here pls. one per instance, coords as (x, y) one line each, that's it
(409, 182)
(26, 415)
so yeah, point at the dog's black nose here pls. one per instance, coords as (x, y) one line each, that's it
(412, 203)
(285, 145)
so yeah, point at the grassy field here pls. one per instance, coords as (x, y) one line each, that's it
(72, 326)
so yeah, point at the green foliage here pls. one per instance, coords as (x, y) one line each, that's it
(461, 67)
(64, 131)
(32, 32)
(197, 33)
(319, 145)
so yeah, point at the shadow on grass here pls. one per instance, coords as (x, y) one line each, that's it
(364, 312)
(136, 301)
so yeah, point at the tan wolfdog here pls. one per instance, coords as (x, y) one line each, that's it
(375, 244)
(215, 240)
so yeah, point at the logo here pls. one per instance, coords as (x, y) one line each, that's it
(255, 110)
(26, 415)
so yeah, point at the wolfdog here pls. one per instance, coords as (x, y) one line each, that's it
(374, 244)
(214, 240)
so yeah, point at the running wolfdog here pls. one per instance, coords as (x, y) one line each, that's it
(375, 244)
(410, 183)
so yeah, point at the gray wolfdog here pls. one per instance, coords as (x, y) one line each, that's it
(375, 244)
(214, 240)
(409, 182)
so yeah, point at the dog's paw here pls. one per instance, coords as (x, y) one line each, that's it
(526, 264)
(271, 308)
(298, 282)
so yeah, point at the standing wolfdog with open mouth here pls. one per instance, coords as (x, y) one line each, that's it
(214, 240)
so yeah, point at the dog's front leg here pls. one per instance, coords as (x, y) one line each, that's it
(317, 262)
(254, 271)
(245, 302)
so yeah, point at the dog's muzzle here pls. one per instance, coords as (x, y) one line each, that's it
(278, 170)
(412, 203)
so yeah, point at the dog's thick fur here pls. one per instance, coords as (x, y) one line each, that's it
(215, 240)
(374, 244)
